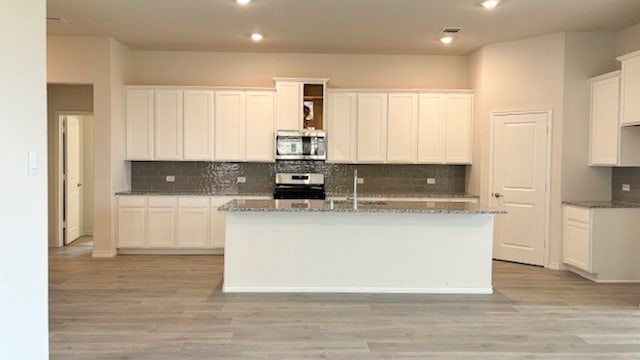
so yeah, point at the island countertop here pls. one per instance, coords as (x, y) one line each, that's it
(364, 206)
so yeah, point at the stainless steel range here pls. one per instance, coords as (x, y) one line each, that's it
(299, 186)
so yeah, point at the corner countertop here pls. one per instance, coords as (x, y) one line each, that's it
(364, 206)
(601, 204)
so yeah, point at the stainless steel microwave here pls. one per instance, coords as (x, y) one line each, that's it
(301, 145)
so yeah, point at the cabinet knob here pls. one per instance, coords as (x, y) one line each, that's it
(497, 195)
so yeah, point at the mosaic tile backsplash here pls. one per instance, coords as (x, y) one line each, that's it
(629, 176)
(221, 177)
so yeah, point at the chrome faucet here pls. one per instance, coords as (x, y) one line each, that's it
(355, 189)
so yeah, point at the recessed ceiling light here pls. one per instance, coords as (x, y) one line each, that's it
(243, 2)
(256, 37)
(490, 4)
(446, 40)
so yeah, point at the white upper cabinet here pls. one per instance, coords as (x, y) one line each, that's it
(372, 127)
(459, 128)
(139, 114)
(168, 125)
(341, 127)
(289, 105)
(402, 128)
(260, 126)
(630, 89)
(605, 130)
(198, 125)
(230, 125)
(431, 128)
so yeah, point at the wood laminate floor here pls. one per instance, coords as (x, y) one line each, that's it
(171, 307)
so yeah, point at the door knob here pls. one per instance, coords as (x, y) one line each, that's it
(498, 195)
(79, 184)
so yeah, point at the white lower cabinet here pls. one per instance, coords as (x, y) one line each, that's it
(601, 243)
(161, 223)
(217, 221)
(193, 222)
(132, 221)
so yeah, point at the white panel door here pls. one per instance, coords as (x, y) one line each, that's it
(132, 229)
(341, 127)
(162, 227)
(72, 184)
(289, 105)
(518, 185)
(372, 127)
(230, 125)
(432, 119)
(198, 125)
(577, 244)
(605, 128)
(168, 125)
(402, 128)
(139, 115)
(459, 128)
(193, 227)
(260, 131)
(630, 91)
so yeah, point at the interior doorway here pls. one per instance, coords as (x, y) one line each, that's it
(75, 176)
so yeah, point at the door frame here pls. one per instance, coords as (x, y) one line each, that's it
(549, 132)
(59, 206)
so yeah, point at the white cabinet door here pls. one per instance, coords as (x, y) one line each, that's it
(402, 128)
(577, 244)
(139, 115)
(230, 125)
(431, 128)
(168, 125)
(132, 230)
(193, 222)
(341, 127)
(289, 105)
(372, 127)
(162, 227)
(459, 128)
(198, 125)
(260, 120)
(217, 221)
(605, 131)
(630, 93)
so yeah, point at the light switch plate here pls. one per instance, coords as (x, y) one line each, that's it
(170, 178)
(32, 163)
(626, 187)
(360, 180)
(431, 181)
(242, 180)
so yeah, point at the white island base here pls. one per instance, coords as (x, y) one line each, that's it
(358, 252)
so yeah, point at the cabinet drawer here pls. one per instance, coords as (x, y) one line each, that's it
(218, 201)
(163, 201)
(577, 214)
(132, 201)
(194, 202)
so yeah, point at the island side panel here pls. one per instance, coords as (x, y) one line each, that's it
(358, 252)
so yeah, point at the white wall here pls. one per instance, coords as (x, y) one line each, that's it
(97, 61)
(61, 98)
(23, 215)
(258, 69)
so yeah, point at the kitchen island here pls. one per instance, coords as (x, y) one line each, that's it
(378, 247)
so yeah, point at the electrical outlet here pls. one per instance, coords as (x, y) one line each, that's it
(242, 180)
(431, 181)
(170, 178)
(626, 187)
(360, 180)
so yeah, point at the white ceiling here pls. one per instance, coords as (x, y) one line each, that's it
(332, 26)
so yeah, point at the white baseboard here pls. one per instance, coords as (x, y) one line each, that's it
(171, 251)
(104, 254)
(340, 289)
(557, 266)
(594, 277)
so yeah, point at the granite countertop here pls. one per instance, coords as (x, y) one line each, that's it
(601, 204)
(191, 193)
(364, 206)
